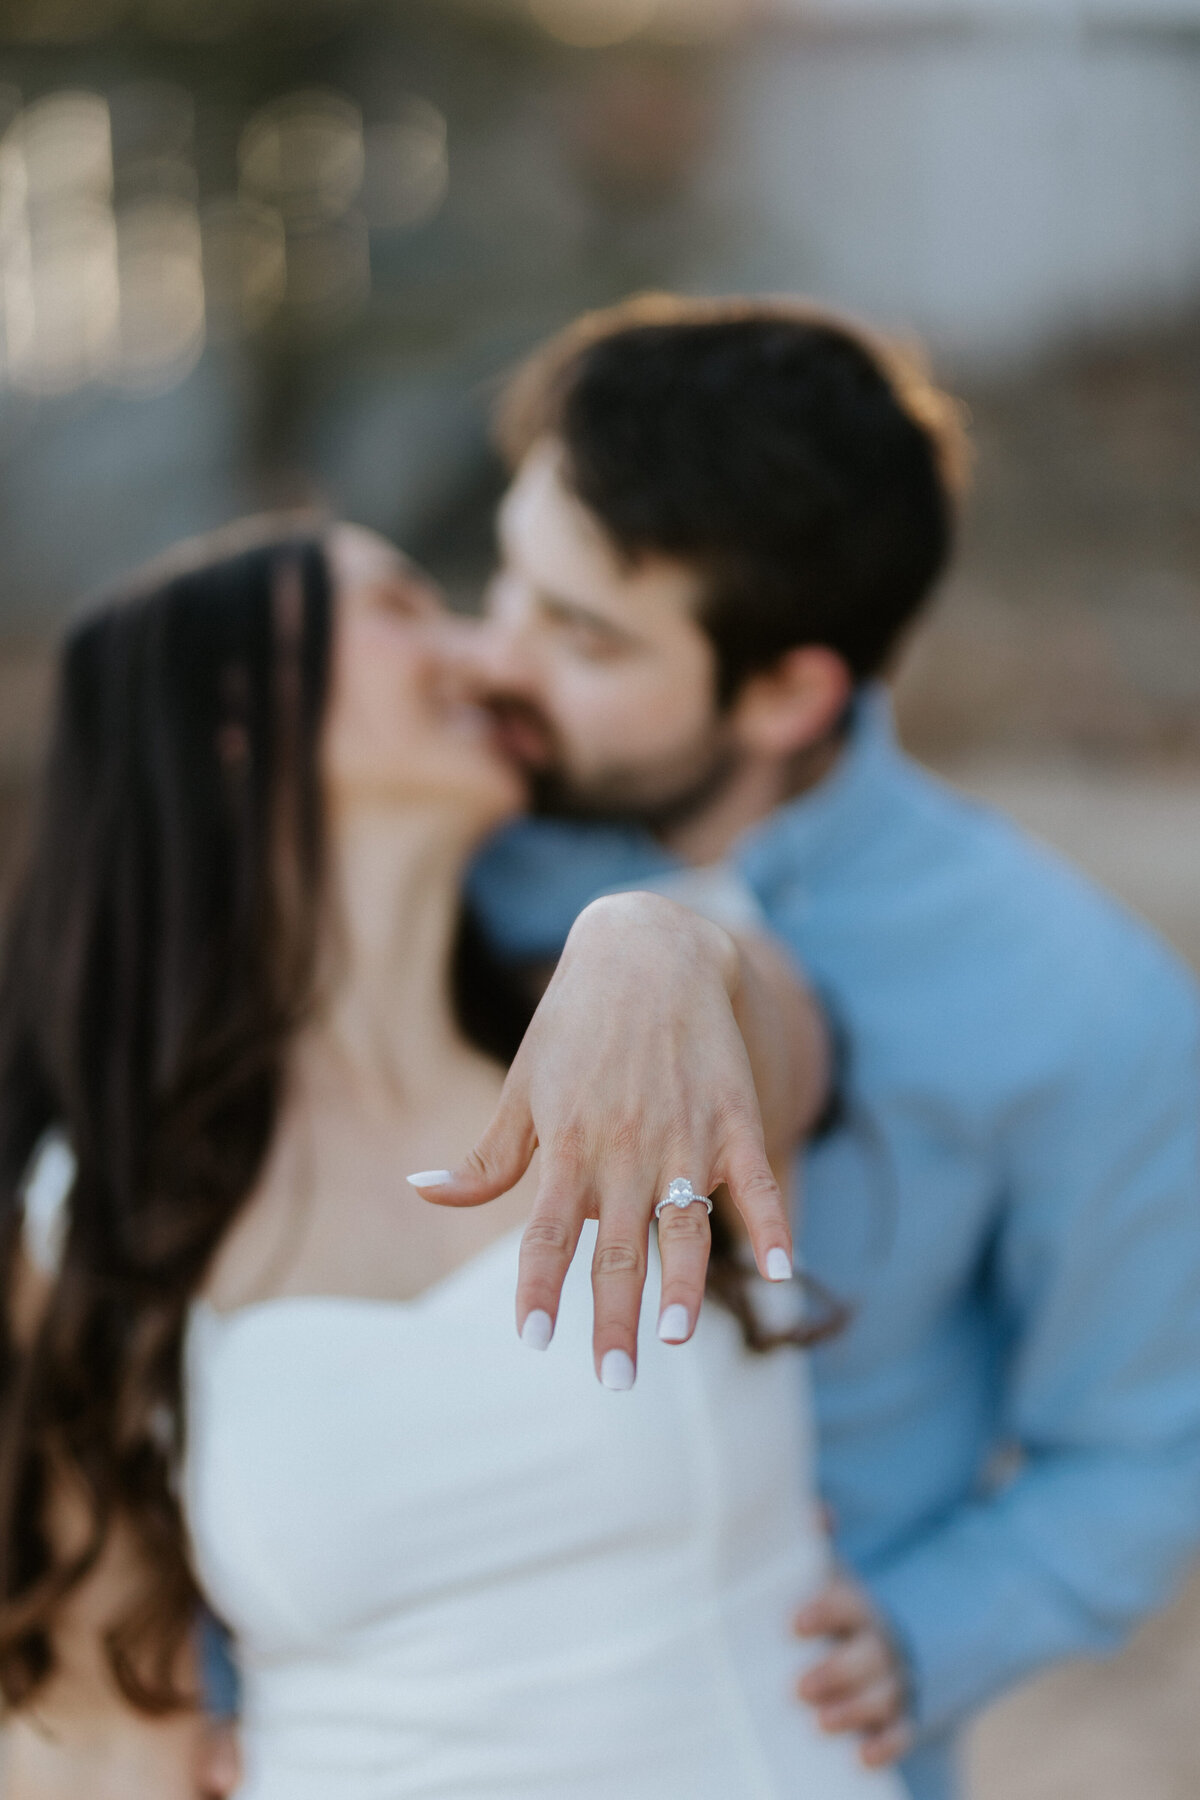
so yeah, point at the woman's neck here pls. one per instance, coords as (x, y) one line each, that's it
(388, 1010)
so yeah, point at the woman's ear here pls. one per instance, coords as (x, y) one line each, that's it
(794, 704)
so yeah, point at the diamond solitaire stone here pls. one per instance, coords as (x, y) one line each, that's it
(682, 1194)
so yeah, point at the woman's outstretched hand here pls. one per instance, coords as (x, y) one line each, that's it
(636, 1071)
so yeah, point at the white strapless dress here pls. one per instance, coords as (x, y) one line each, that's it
(460, 1570)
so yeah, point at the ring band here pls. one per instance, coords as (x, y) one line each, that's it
(682, 1193)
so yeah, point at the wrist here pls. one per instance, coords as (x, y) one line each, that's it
(646, 919)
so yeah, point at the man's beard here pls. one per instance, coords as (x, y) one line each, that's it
(663, 798)
(627, 797)
(659, 798)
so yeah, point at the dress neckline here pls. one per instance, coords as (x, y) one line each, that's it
(225, 1318)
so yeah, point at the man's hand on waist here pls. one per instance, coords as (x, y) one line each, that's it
(860, 1684)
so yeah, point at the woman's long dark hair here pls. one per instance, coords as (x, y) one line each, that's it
(159, 956)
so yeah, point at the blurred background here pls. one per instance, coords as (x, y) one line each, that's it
(256, 252)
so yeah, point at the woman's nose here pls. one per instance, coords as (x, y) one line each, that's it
(447, 641)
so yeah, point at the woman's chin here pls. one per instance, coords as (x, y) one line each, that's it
(508, 799)
(492, 786)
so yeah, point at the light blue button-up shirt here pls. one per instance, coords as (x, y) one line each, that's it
(1010, 1428)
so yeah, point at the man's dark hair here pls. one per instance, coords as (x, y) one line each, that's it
(808, 471)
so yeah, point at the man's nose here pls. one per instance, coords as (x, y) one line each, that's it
(490, 656)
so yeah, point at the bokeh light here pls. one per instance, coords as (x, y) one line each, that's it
(593, 24)
(61, 298)
(161, 279)
(64, 143)
(58, 244)
(111, 270)
(304, 158)
(407, 171)
(101, 267)
(303, 154)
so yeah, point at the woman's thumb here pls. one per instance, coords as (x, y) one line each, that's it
(495, 1165)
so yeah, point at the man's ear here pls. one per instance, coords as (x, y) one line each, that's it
(794, 704)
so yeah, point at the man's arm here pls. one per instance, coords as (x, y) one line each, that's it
(664, 1046)
(1097, 1271)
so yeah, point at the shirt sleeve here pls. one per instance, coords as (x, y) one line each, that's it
(1095, 1276)
(530, 882)
(716, 892)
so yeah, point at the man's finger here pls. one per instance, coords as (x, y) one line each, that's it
(871, 1709)
(618, 1278)
(496, 1164)
(858, 1661)
(840, 1607)
(757, 1196)
(684, 1242)
(881, 1748)
(548, 1245)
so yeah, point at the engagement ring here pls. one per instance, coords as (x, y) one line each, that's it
(682, 1193)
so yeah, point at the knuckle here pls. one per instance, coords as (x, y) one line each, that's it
(568, 1145)
(734, 1114)
(758, 1183)
(618, 1259)
(547, 1234)
(625, 1141)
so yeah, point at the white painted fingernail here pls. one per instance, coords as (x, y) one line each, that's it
(616, 1371)
(430, 1178)
(537, 1330)
(779, 1265)
(675, 1324)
